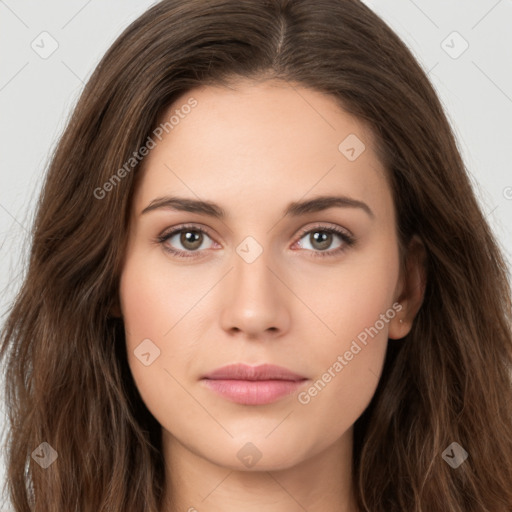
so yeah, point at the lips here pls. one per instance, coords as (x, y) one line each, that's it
(261, 372)
(253, 385)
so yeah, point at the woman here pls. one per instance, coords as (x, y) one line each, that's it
(260, 278)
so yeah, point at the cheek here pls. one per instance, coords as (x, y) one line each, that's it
(356, 305)
(160, 330)
(352, 297)
(348, 372)
(159, 299)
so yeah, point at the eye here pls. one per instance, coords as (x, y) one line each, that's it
(320, 238)
(191, 238)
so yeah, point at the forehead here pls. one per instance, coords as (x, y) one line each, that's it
(262, 142)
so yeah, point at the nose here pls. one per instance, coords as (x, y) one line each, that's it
(255, 300)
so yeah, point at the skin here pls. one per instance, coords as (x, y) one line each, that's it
(253, 148)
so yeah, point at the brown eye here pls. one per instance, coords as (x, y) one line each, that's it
(184, 241)
(190, 239)
(321, 239)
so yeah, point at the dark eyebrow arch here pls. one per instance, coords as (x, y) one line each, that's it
(323, 203)
(294, 209)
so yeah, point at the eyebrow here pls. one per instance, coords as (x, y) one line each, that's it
(294, 209)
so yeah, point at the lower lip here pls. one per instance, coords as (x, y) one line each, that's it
(253, 392)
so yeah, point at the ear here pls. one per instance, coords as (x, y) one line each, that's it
(410, 289)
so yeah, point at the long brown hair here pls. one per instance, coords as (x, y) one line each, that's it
(67, 379)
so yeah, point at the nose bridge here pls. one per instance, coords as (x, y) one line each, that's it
(252, 275)
(254, 303)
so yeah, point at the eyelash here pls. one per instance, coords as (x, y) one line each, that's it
(348, 240)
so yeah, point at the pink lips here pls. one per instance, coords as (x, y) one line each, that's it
(253, 385)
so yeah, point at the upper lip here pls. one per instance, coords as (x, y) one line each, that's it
(246, 372)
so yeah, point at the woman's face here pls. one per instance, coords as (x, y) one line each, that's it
(267, 282)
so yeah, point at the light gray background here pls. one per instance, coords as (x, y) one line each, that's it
(37, 95)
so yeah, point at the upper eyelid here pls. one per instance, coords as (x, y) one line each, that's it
(326, 227)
